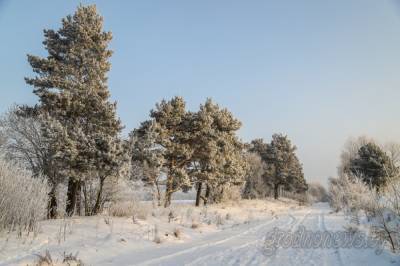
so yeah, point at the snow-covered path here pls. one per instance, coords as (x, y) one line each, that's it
(241, 245)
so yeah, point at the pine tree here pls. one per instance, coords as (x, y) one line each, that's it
(72, 88)
(217, 152)
(296, 181)
(255, 186)
(372, 165)
(146, 154)
(259, 147)
(172, 128)
(284, 168)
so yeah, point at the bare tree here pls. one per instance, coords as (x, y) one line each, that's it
(24, 143)
(392, 149)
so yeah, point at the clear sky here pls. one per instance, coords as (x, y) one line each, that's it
(318, 71)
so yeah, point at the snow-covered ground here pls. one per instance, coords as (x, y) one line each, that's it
(229, 234)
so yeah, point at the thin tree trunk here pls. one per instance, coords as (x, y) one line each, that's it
(79, 198)
(276, 191)
(71, 196)
(158, 195)
(52, 206)
(85, 200)
(198, 195)
(167, 201)
(168, 192)
(97, 206)
(207, 196)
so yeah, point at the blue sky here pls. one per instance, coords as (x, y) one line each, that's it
(318, 71)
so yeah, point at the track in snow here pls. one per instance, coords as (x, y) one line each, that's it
(241, 245)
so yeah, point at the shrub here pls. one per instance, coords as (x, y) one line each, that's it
(231, 193)
(68, 260)
(349, 194)
(126, 209)
(177, 232)
(23, 199)
(381, 207)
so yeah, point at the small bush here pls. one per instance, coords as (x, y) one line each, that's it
(177, 232)
(231, 194)
(122, 209)
(70, 259)
(126, 209)
(44, 260)
(23, 199)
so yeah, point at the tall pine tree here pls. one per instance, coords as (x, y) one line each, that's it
(217, 152)
(171, 126)
(71, 84)
(284, 168)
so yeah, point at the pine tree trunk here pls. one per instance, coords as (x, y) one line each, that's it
(208, 190)
(85, 200)
(52, 206)
(168, 192)
(276, 191)
(158, 195)
(71, 196)
(79, 198)
(198, 194)
(96, 208)
(167, 201)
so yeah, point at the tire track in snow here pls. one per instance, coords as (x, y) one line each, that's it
(205, 245)
(245, 254)
(337, 250)
(273, 258)
(244, 249)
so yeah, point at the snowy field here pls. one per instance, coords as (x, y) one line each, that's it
(228, 234)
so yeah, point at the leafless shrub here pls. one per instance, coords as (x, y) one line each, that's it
(44, 260)
(68, 259)
(122, 209)
(381, 207)
(71, 259)
(125, 209)
(177, 232)
(386, 219)
(349, 194)
(23, 199)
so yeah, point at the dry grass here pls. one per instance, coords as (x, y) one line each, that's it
(127, 209)
(68, 260)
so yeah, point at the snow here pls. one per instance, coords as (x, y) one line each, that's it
(224, 234)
